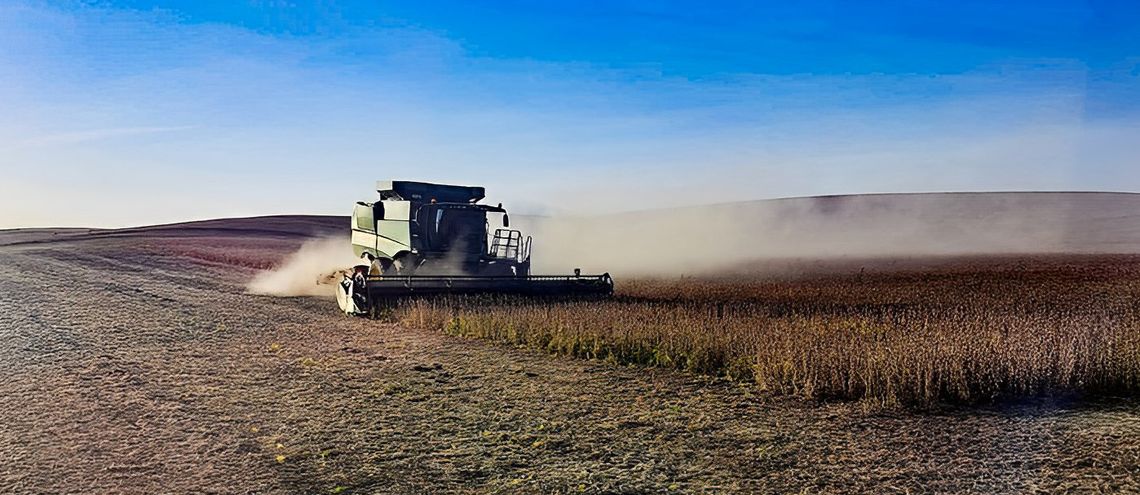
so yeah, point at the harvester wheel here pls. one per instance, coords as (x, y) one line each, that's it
(343, 291)
(407, 263)
(352, 291)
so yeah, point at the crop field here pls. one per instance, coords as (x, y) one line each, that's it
(137, 362)
(954, 330)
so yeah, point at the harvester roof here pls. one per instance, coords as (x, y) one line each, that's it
(424, 191)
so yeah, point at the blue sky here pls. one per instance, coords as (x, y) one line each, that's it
(126, 113)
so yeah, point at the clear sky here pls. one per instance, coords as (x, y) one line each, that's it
(120, 113)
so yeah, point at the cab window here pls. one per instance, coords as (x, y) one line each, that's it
(362, 218)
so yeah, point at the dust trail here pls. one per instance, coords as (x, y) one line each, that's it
(718, 237)
(299, 274)
(715, 238)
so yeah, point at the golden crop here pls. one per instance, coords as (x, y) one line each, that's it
(963, 332)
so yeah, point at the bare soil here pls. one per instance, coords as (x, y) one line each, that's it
(137, 363)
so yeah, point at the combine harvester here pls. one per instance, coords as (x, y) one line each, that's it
(425, 239)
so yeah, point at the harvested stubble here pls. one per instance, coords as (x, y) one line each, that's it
(965, 332)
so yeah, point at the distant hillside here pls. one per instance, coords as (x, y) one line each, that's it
(284, 225)
(274, 226)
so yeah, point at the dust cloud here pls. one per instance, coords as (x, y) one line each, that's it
(702, 239)
(301, 271)
(722, 237)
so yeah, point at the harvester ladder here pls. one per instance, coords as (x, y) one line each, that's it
(506, 244)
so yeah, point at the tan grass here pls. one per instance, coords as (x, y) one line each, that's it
(964, 334)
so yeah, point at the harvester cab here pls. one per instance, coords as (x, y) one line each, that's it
(435, 229)
(424, 239)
